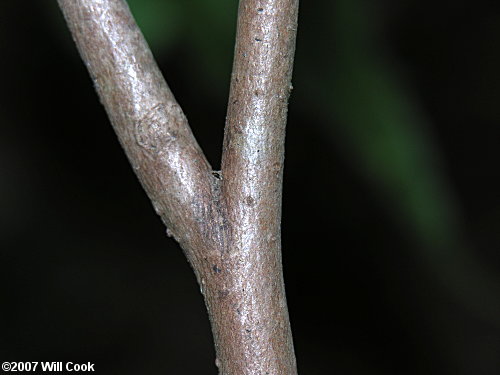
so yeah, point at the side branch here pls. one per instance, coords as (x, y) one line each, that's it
(260, 86)
(253, 303)
(149, 123)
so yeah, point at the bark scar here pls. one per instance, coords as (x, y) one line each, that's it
(156, 129)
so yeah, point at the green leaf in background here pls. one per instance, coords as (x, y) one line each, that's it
(374, 118)
(161, 21)
(212, 36)
(207, 28)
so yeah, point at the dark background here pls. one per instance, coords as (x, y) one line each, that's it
(391, 199)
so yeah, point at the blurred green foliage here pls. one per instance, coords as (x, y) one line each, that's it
(208, 27)
(376, 118)
(161, 21)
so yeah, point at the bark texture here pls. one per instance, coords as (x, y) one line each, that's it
(227, 223)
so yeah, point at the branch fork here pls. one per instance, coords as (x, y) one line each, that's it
(227, 222)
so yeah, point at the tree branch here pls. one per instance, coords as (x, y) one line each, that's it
(149, 123)
(229, 226)
(252, 170)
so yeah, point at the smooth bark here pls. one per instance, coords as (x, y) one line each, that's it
(227, 223)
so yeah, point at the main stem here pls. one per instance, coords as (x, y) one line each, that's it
(228, 224)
